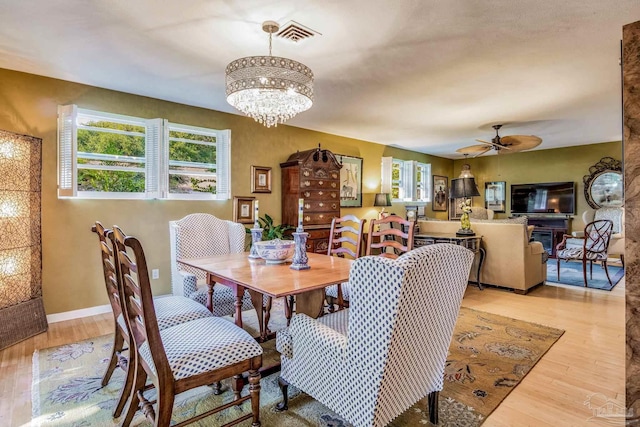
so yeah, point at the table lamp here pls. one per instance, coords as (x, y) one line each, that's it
(464, 188)
(383, 200)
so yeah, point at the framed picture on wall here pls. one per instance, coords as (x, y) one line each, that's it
(243, 210)
(350, 181)
(495, 196)
(260, 179)
(440, 193)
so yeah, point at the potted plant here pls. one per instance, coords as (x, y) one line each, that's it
(271, 231)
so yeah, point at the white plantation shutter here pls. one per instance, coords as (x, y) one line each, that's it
(67, 148)
(155, 158)
(387, 163)
(409, 179)
(223, 163)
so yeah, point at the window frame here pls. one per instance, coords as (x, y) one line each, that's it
(407, 183)
(156, 159)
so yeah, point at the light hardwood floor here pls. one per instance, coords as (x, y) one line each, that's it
(589, 358)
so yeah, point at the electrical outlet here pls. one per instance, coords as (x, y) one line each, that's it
(155, 273)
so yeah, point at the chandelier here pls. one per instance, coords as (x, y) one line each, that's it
(270, 89)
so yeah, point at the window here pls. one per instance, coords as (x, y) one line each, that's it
(406, 180)
(113, 156)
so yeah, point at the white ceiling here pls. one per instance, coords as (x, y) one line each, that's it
(426, 75)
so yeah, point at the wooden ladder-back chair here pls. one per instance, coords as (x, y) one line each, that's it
(388, 233)
(170, 311)
(214, 348)
(595, 244)
(345, 240)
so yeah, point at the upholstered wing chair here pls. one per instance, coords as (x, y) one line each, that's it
(388, 355)
(478, 212)
(200, 235)
(615, 215)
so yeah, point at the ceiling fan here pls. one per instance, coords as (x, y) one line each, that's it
(503, 145)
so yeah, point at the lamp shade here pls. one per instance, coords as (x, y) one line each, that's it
(382, 199)
(463, 187)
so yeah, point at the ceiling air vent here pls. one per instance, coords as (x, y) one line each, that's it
(295, 32)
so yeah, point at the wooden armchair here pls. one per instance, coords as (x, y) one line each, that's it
(170, 311)
(595, 244)
(185, 356)
(389, 355)
(388, 235)
(345, 239)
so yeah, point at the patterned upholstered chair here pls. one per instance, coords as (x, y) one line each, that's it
(478, 212)
(595, 245)
(616, 215)
(345, 240)
(170, 311)
(182, 357)
(201, 235)
(389, 355)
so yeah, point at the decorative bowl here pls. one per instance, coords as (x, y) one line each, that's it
(275, 251)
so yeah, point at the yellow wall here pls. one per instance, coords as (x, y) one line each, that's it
(556, 165)
(72, 276)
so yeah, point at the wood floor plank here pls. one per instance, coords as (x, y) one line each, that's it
(588, 358)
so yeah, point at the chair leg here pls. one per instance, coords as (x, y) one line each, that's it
(284, 387)
(254, 392)
(591, 269)
(584, 271)
(129, 367)
(606, 270)
(622, 260)
(330, 303)
(118, 345)
(217, 388)
(164, 408)
(558, 267)
(432, 399)
(134, 401)
(237, 383)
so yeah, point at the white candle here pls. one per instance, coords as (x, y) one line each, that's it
(256, 223)
(300, 211)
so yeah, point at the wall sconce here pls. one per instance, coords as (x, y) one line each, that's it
(21, 309)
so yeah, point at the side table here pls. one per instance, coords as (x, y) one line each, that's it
(473, 243)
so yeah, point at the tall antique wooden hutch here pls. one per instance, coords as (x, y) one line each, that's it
(312, 175)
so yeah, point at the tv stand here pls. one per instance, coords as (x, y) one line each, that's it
(549, 230)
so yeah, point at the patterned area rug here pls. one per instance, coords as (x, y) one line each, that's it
(571, 274)
(489, 356)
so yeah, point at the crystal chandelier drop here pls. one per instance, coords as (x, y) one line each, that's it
(270, 89)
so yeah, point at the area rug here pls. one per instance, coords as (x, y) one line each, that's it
(571, 274)
(489, 356)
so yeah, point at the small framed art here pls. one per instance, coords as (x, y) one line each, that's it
(350, 181)
(495, 196)
(260, 179)
(243, 210)
(440, 193)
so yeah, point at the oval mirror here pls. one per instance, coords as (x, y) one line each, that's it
(603, 187)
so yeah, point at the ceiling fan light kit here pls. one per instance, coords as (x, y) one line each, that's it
(503, 145)
(271, 89)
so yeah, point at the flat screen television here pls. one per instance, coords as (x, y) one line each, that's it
(544, 198)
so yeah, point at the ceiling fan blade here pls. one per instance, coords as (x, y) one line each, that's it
(521, 142)
(488, 142)
(474, 149)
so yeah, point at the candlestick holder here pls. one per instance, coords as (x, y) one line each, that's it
(300, 259)
(256, 236)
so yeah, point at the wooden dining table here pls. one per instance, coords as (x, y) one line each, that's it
(241, 273)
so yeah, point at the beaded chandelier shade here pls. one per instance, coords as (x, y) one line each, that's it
(21, 310)
(271, 89)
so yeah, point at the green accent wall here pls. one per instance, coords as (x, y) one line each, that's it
(72, 272)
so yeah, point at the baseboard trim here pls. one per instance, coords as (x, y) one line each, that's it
(76, 314)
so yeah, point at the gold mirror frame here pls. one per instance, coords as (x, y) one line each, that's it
(604, 186)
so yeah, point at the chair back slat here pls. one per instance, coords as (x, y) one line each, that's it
(110, 270)
(346, 229)
(391, 234)
(138, 299)
(597, 236)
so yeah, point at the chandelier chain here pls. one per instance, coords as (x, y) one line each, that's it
(270, 34)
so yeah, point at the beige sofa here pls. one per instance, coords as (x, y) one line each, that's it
(511, 260)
